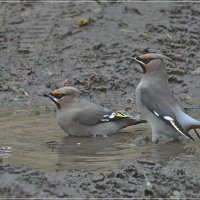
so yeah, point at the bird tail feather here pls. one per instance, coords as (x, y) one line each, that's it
(136, 121)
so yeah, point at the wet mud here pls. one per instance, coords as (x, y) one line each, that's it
(42, 48)
(135, 179)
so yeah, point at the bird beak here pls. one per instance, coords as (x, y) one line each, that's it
(55, 100)
(142, 65)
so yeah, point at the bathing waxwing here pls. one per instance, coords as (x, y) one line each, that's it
(156, 102)
(79, 117)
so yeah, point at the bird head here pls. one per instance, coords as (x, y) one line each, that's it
(150, 61)
(63, 95)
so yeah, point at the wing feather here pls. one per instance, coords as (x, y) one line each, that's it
(163, 107)
(97, 114)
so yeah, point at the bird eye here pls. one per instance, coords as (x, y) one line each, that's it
(148, 60)
(58, 96)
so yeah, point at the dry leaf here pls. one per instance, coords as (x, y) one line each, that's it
(83, 21)
(144, 34)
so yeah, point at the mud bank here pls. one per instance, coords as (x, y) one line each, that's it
(135, 179)
(42, 47)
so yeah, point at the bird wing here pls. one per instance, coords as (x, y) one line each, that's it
(162, 106)
(97, 114)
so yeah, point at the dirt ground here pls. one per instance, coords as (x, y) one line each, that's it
(135, 179)
(42, 47)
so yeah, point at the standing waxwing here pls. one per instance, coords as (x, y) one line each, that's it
(79, 117)
(157, 103)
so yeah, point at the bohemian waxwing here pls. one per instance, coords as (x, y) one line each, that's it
(79, 117)
(156, 102)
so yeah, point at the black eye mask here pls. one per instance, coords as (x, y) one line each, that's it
(141, 62)
(57, 96)
(50, 97)
(145, 61)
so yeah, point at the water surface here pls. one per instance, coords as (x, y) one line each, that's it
(37, 141)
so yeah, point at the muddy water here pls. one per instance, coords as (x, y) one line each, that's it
(36, 141)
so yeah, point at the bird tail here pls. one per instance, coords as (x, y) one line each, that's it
(187, 122)
(195, 125)
(132, 121)
(125, 122)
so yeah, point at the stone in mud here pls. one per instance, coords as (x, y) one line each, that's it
(141, 140)
(196, 71)
(98, 45)
(175, 79)
(98, 178)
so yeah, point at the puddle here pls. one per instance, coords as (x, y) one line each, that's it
(36, 141)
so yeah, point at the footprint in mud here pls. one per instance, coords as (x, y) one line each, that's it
(140, 141)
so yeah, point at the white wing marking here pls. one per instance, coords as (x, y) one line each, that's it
(156, 113)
